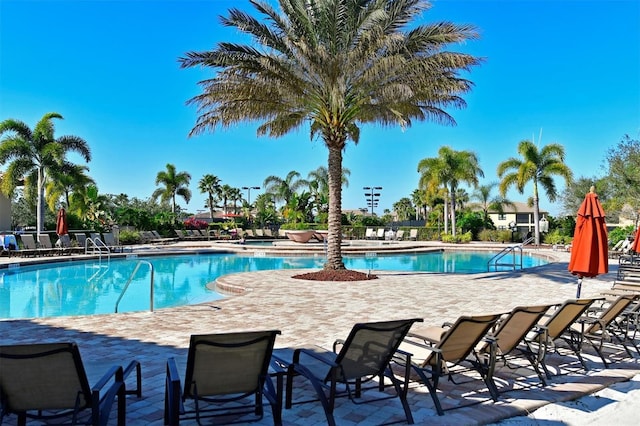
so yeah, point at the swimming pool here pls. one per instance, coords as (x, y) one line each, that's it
(93, 287)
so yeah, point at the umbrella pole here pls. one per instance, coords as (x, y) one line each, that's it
(579, 287)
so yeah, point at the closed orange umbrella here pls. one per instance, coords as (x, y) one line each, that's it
(590, 246)
(636, 242)
(61, 223)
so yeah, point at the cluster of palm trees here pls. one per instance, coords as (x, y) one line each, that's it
(298, 199)
(441, 176)
(37, 160)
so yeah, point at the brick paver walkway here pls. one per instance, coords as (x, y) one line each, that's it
(309, 312)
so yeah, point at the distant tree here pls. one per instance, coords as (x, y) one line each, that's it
(623, 167)
(34, 154)
(235, 195)
(404, 208)
(573, 195)
(487, 202)
(448, 170)
(174, 184)
(62, 184)
(335, 65)
(538, 167)
(210, 185)
(283, 189)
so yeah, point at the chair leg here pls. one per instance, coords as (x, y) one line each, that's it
(402, 394)
(431, 387)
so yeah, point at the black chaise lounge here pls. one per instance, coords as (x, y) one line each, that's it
(226, 376)
(48, 382)
(366, 354)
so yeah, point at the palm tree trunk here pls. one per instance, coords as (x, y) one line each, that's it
(40, 206)
(453, 211)
(446, 214)
(334, 237)
(536, 213)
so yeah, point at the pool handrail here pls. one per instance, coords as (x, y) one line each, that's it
(126, 286)
(495, 260)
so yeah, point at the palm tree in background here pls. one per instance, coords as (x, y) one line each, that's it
(538, 167)
(283, 189)
(174, 184)
(337, 65)
(34, 155)
(318, 181)
(404, 208)
(487, 202)
(62, 185)
(210, 185)
(235, 195)
(448, 170)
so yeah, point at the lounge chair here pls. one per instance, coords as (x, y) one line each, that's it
(602, 325)
(30, 247)
(380, 234)
(45, 245)
(370, 234)
(413, 234)
(223, 371)
(511, 331)
(81, 239)
(259, 233)
(442, 351)
(366, 354)
(557, 326)
(400, 234)
(47, 381)
(110, 241)
(66, 247)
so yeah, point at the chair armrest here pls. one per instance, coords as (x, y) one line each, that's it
(102, 401)
(127, 371)
(172, 394)
(337, 343)
(319, 356)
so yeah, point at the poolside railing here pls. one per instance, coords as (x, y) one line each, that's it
(133, 274)
(496, 261)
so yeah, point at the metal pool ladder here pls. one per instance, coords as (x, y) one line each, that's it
(496, 260)
(126, 286)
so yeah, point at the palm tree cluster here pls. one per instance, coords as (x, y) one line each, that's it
(38, 160)
(442, 175)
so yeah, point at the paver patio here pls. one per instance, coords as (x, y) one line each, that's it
(317, 313)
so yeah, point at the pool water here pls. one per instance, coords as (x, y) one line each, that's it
(93, 287)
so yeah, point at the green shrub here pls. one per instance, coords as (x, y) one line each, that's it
(459, 238)
(129, 237)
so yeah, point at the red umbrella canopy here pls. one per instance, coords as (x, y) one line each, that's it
(636, 242)
(590, 247)
(61, 223)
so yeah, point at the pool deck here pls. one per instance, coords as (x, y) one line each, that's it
(317, 313)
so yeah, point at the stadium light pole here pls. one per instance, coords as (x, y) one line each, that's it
(372, 196)
(248, 189)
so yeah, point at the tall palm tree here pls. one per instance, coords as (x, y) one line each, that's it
(210, 185)
(538, 167)
(226, 194)
(175, 184)
(283, 189)
(62, 185)
(318, 181)
(337, 65)
(487, 202)
(404, 208)
(235, 195)
(33, 155)
(449, 169)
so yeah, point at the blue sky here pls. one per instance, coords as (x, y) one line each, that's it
(566, 70)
